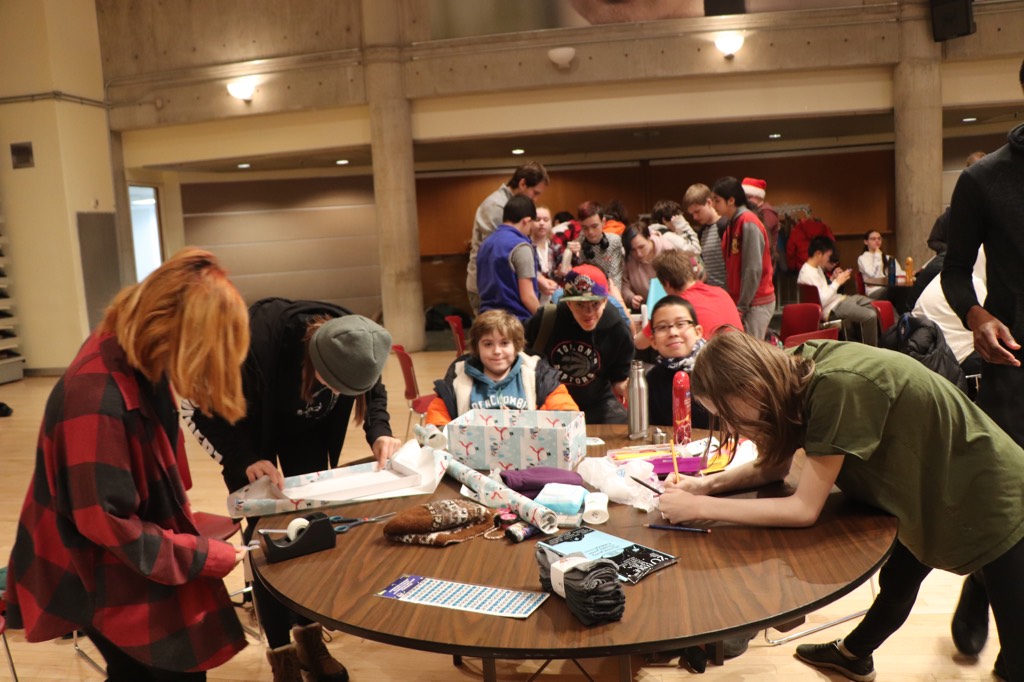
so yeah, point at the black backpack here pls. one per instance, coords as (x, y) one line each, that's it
(921, 339)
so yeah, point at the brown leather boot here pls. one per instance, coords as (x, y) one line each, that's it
(284, 662)
(316, 661)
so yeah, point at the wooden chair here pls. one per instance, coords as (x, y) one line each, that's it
(886, 314)
(455, 322)
(800, 318)
(828, 333)
(417, 403)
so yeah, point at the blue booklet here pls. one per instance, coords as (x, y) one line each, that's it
(634, 561)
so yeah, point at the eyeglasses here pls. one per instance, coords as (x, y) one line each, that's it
(678, 325)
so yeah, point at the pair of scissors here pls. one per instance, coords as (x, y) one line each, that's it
(350, 523)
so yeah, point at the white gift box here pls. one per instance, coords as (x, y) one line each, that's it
(518, 439)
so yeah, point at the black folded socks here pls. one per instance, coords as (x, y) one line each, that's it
(592, 589)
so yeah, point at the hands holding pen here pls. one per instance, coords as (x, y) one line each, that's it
(681, 498)
(677, 503)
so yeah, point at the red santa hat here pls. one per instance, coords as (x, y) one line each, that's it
(754, 187)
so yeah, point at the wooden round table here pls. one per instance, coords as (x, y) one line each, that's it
(731, 581)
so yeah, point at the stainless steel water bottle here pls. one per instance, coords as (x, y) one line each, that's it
(637, 407)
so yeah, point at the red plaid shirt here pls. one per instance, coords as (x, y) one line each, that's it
(106, 538)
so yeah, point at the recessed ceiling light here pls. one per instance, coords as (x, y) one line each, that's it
(518, 152)
(969, 119)
(774, 136)
(341, 162)
(244, 165)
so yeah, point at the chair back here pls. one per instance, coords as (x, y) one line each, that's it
(886, 314)
(216, 526)
(859, 279)
(412, 390)
(828, 333)
(800, 318)
(809, 294)
(455, 322)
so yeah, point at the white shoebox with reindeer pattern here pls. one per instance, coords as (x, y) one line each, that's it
(518, 439)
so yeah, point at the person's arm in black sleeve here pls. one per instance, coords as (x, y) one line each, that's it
(233, 446)
(619, 365)
(378, 421)
(967, 231)
(621, 358)
(377, 425)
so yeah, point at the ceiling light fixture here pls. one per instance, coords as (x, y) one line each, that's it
(562, 56)
(518, 152)
(243, 166)
(969, 119)
(243, 88)
(341, 162)
(774, 136)
(729, 43)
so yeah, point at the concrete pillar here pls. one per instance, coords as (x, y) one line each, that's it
(52, 92)
(394, 183)
(917, 111)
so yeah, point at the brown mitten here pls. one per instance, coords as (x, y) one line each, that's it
(440, 523)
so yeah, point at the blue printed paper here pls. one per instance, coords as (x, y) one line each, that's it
(490, 601)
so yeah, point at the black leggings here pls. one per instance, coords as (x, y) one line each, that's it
(899, 582)
(123, 668)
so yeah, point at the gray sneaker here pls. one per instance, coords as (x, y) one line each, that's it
(829, 656)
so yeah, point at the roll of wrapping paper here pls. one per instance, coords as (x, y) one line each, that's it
(493, 494)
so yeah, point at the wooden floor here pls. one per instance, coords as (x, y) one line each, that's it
(921, 650)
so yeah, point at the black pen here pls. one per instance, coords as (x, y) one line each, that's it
(647, 485)
(661, 526)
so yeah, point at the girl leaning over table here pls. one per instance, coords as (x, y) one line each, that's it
(890, 433)
(311, 366)
(106, 542)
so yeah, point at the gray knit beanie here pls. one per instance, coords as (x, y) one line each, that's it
(349, 353)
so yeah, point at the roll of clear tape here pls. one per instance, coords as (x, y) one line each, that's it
(595, 508)
(296, 528)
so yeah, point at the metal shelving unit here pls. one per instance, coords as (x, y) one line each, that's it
(12, 364)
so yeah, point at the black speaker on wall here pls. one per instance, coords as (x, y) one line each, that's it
(714, 8)
(952, 19)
